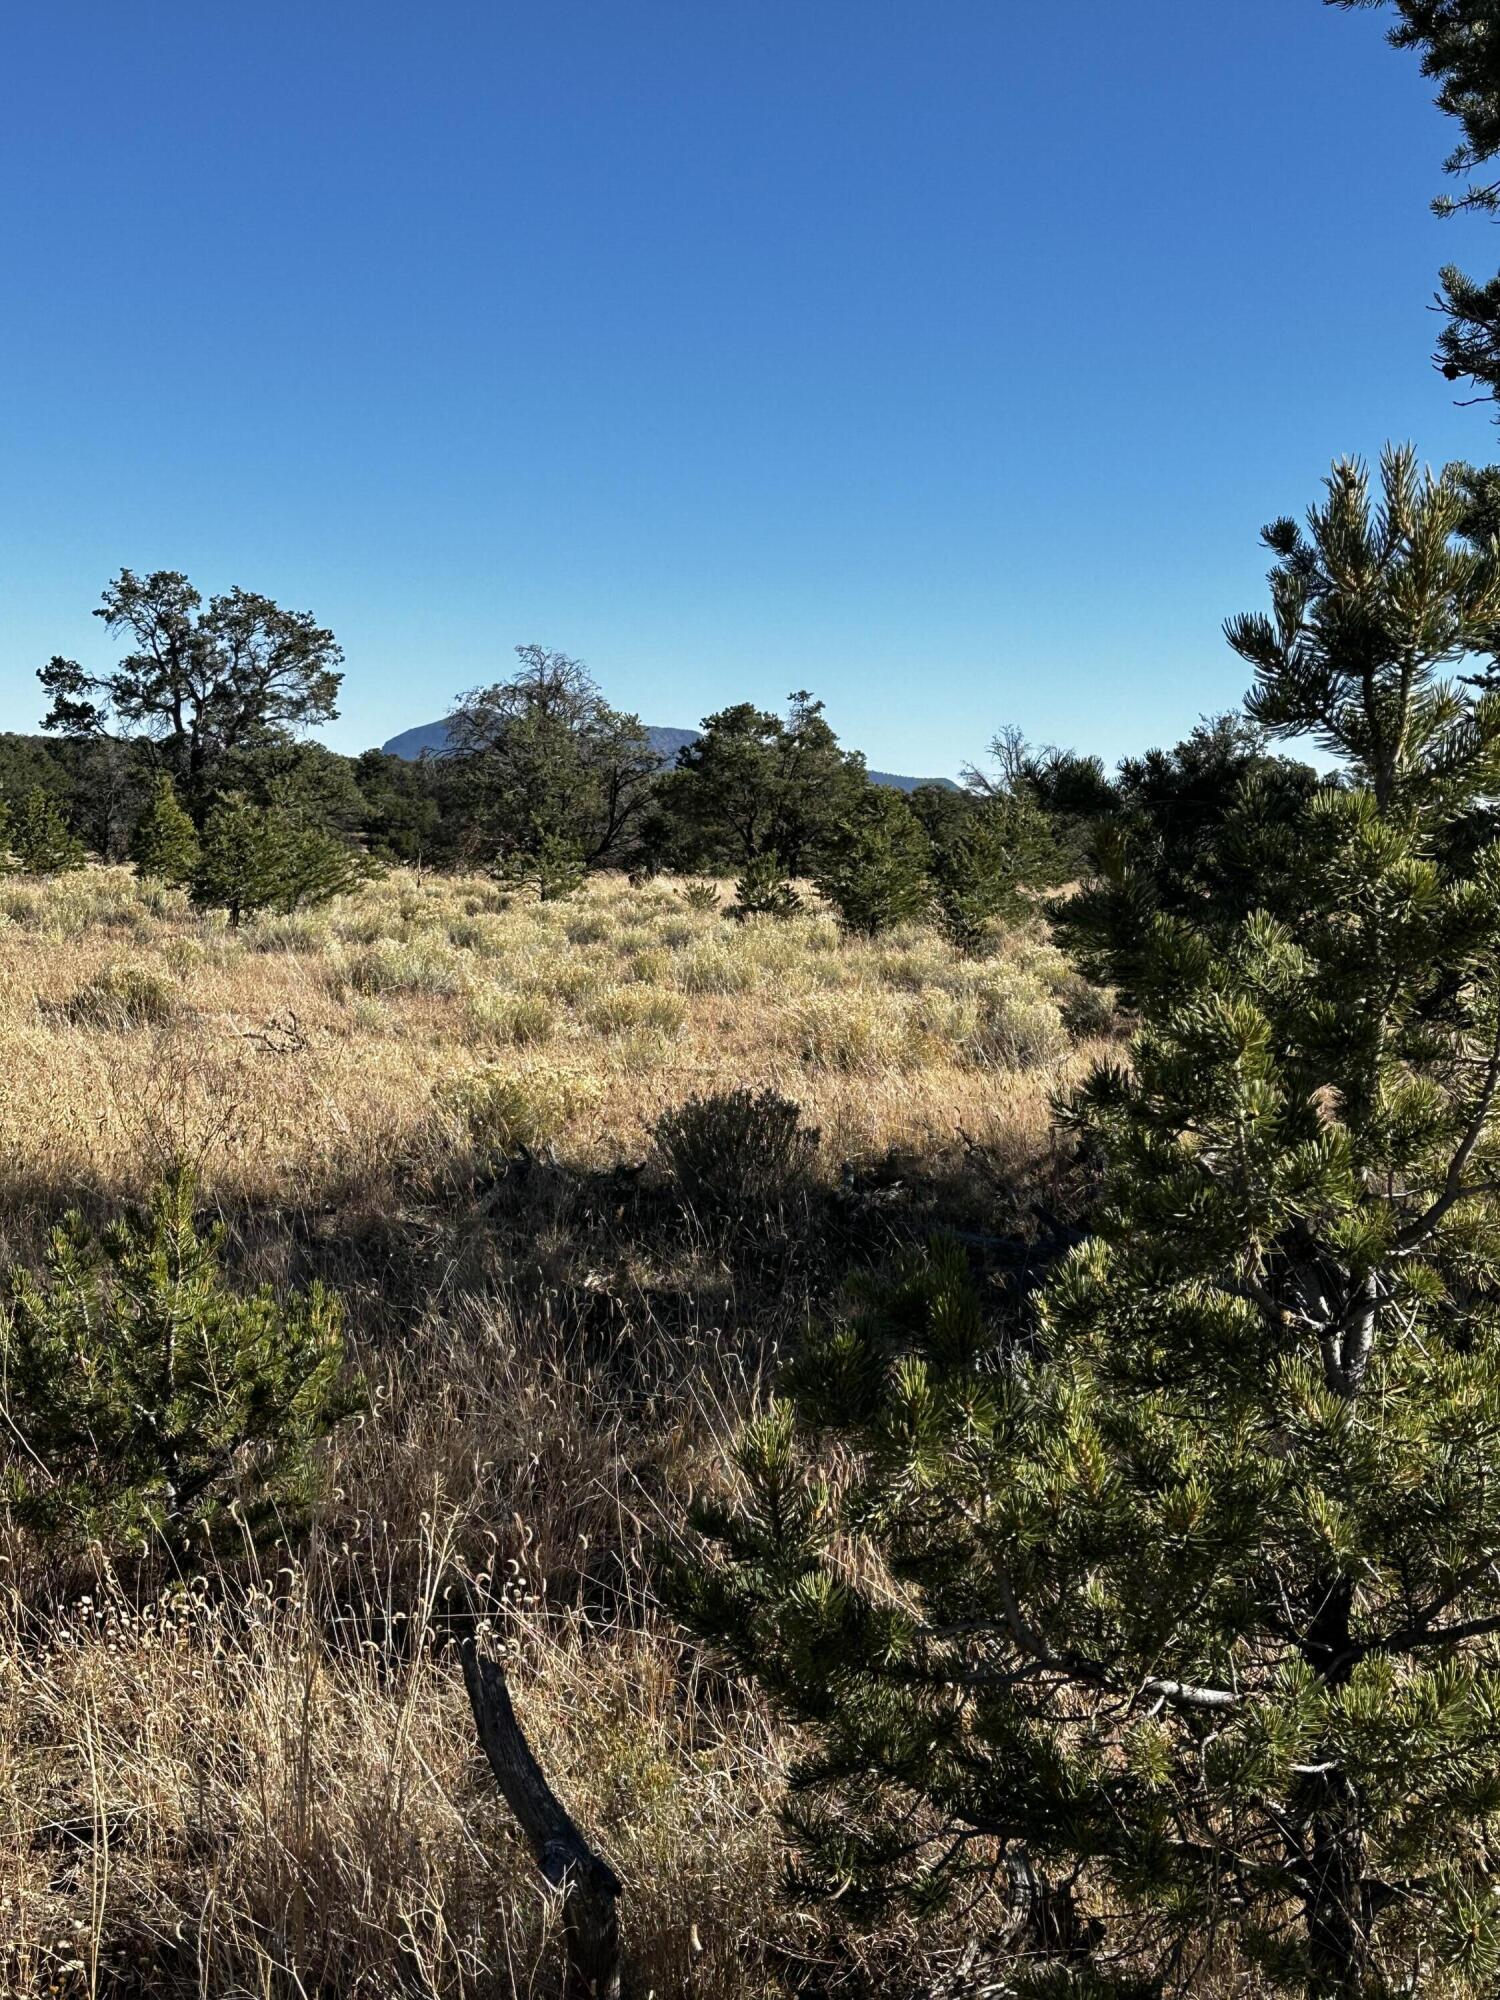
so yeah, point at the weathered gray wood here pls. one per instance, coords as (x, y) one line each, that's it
(588, 1886)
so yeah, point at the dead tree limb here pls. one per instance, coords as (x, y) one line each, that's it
(588, 1886)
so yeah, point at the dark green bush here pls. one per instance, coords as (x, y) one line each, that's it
(764, 891)
(740, 1152)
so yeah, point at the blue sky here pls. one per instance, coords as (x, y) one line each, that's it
(941, 356)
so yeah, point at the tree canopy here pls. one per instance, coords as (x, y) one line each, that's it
(199, 684)
(544, 758)
(755, 783)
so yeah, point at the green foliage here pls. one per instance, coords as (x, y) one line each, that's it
(240, 863)
(553, 870)
(701, 896)
(876, 875)
(260, 857)
(1194, 832)
(165, 841)
(764, 890)
(403, 817)
(315, 866)
(545, 764)
(124, 996)
(308, 781)
(202, 684)
(741, 1153)
(1179, 1594)
(148, 1399)
(754, 784)
(39, 836)
(1460, 52)
(984, 864)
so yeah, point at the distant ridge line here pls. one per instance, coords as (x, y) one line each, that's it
(431, 738)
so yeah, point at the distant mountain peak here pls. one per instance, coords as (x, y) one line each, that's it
(431, 739)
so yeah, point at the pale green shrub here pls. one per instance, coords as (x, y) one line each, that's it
(651, 968)
(124, 996)
(185, 955)
(524, 1019)
(1019, 1025)
(847, 1032)
(620, 1009)
(714, 968)
(590, 928)
(302, 931)
(573, 984)
(485, 936)
(419, 966)
(509, 1109)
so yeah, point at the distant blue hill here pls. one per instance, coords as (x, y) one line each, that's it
(431, 739)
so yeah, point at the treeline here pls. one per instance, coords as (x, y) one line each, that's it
(187, 758)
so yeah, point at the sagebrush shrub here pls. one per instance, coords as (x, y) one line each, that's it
(1018, 1025)
(507, 1110)
(621, 1009)
(737, 1151)
(710, 968)
(423, 966)
(846, 1031)
(526, 1019)
(124, 996)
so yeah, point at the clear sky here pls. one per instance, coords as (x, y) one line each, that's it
(941, 356)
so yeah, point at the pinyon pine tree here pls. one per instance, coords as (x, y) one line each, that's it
(41, 839)
(993, 854)
(876, 876)
(165, 841)
(1178, 1602)
(265, 858)
(145, 1395)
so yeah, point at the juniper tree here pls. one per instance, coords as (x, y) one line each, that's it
(203, 684)
(142, 1395)
(1188, 1602)
(40, 837)
(241, 859)
(876, 874)
(546, 762)
(755, 783)
(165, 841)
(315, 866)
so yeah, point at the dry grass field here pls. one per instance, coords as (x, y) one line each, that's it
(262, 1779)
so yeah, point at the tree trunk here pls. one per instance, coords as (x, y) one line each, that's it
(1338, 1925)
(588, 1886)
(1336, 1902)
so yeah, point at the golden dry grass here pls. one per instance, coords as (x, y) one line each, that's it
(438, 1099)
